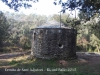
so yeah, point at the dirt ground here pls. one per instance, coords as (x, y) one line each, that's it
(91, 58)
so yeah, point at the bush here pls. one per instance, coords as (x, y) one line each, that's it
(80, 48)
(27, 45)
(90, 48)
(25, 42)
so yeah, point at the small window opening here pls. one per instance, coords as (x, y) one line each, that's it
(60, 45)
(34, 36)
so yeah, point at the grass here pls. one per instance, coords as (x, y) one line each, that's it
(11, 49)
(81, 68)
(22, 62)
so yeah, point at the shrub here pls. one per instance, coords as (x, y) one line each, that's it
(25, 42)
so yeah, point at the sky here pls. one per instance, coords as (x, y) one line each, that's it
(43, 7)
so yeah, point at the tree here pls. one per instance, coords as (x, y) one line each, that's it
(67, 20)
(86, 6)
(3, 28)
(20, 28)
(16, 4)
(88, 9)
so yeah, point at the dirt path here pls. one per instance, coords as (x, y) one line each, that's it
(5, 58)
(92, 58)
(16, 54)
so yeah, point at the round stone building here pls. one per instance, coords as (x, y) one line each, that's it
(54, 41)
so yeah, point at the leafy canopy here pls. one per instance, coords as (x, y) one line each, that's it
(83, 5)
(16, 4)
(3, 28)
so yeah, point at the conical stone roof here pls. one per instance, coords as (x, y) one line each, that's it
(53, 24)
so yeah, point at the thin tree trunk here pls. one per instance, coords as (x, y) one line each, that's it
(97, 48)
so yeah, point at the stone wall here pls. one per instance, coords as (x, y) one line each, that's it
(50, 43)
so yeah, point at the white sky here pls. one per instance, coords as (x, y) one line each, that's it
(43, 7)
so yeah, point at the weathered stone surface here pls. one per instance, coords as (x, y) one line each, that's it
(50, 43)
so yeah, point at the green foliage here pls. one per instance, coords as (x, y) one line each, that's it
(88, 37)
(13, 62)
(95, 42)
(87, 6)
(67, 20)
(90, 7)
(25, 42)
(3, 28)
(81, 68)
(20, 28)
